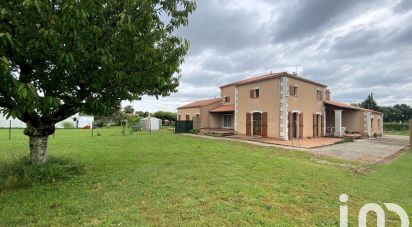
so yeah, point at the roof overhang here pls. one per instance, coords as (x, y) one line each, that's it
(223, 109)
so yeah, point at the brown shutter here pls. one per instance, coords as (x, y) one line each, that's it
(290, 124)
(322, 119)
(248, 124)
(264, 124)
(301, 125)
(252, 94)
(314, 125)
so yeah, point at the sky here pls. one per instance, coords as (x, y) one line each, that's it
(354, 47)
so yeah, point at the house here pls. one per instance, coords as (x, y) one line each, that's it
(281, 106)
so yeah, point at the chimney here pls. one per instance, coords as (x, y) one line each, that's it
(327, 95)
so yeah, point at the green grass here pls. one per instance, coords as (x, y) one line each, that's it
(168, 179)
(399, 133)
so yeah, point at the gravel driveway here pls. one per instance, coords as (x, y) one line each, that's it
(365, 150)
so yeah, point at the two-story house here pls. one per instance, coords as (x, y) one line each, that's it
(281, 106)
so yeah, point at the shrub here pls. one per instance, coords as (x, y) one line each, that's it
(20, 174)
(68, 125)
(396, 126)
(194, 131)
(346, 140)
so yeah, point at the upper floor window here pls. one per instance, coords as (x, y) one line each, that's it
(255, 93)
(293, 90)
(319, 95)
(227, 99)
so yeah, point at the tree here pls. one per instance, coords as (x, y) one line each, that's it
(405, 110)
(58, 58)
(370, 103)
(128, 109)
(164, 115)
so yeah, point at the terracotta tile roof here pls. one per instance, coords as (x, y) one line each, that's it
(200, 103)
(268, 77)
(223, 108)
(348, 106)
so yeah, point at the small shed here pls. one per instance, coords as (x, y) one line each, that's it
(152, 124)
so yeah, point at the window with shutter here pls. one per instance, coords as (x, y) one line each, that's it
(319, 95)
(252, 94)
(293, 90)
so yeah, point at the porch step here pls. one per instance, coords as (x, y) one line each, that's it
(219, 133)
(355, 136)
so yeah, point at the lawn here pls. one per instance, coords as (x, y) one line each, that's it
(169, 179)
(399, 133)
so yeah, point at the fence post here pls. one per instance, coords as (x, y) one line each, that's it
(410, 133)
(92, 128)
(10, 130)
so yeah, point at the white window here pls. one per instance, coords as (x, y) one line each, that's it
(227, 121)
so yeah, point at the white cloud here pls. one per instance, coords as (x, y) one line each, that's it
(355, 47)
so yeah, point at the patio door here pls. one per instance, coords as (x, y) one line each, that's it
(295, 120)
(257, 124)
(227, 120)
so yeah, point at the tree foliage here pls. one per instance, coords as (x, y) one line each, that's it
(164, 115)
(370, 103)
(396, 113)
(128, 109)
(60, 57)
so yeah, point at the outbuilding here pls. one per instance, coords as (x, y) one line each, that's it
(150, 123)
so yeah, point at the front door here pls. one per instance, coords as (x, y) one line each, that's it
(257, 124)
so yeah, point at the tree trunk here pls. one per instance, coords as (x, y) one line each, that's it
(38, 138)
(38, 149)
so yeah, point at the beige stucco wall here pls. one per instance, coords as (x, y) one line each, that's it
(205, 115)
(228, 91)
(306, 103)
(353, 120)
(216, 120)
(267, 102)
(191, 111)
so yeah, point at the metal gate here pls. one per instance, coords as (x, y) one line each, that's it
(183, 126)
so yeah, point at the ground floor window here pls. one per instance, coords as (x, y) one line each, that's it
(227, 121)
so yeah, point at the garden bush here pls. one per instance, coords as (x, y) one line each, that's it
(396, 126)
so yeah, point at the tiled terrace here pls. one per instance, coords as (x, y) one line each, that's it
(301, 143)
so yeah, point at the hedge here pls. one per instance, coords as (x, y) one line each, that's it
(396, 126)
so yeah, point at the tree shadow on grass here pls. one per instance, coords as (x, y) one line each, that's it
(20, 174)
